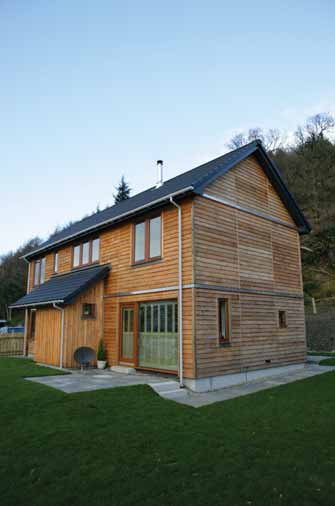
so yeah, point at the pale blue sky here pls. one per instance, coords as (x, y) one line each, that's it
(93, 89)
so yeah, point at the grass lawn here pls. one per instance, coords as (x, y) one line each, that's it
(322, 353)
(127, 446)
(328, 361)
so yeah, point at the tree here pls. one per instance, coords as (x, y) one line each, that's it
(123, 191)
(272, 139)
(13, 275)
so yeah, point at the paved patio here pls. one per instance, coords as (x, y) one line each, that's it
(167, 387)
(95, 379)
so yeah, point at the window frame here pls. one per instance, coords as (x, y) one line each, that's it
(282, 322)
(147, 258)
(90, 252)
(39, 261)
(224, 340)
(90, 316)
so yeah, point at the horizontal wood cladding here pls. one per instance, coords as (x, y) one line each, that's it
(116, 248)
(236, 249)
(248, 186)
(111, 324)
(255, 334)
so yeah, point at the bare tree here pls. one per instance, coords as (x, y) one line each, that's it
(272, 139)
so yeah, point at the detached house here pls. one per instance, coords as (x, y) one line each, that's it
(199, 276)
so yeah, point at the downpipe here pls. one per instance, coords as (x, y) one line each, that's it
(180, 291)
(62, 335)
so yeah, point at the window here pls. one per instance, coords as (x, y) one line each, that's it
(39, 271)
(95, 250)
(147, 240)
(56, 263)
(86, 253)
(42, 274)
(88, 310)
(76, 256)
(282, 319)
(224, 321)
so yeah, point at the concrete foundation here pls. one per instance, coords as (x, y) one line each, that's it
(227, 380)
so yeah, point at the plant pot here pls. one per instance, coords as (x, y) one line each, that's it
(101, 364)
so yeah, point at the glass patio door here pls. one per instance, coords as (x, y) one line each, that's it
(158, 335)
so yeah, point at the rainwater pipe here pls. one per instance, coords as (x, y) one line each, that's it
(61, 336)
(180, 289)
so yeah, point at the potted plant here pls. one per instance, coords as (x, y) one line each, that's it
(101, 355)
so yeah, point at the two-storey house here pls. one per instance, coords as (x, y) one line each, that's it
(199, 276)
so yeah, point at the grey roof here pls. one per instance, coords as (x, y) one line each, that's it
(193, 181)
(64, 288)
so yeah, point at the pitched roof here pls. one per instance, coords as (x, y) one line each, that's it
(193, 181)
(63, 289)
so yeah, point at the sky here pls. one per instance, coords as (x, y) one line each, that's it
(91, 90)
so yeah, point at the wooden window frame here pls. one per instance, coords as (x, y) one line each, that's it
(147, 257)
(56, 254)
(224, 340)
(38, 281)
(90, 249)
(282, 319)
(94, 311)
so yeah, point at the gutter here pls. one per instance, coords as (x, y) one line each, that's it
(180, 289)
(33, 304)
(61, 336)
(111, 220)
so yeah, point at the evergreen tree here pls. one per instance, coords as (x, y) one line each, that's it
(123, 191)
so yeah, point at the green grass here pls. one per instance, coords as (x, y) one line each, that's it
(128, 446)
(322, 353)
(328, 361)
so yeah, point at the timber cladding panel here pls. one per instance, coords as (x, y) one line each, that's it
(256, 336)
(248, 186)
(111, 324)
(77, 331)
(81, 331)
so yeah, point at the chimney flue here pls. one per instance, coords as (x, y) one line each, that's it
(159, 173)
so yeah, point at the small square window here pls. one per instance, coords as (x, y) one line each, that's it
(88, 310)
(282, 319)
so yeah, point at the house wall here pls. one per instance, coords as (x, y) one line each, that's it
(255, 263)
(116, 246)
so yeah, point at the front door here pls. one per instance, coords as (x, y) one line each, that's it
(128, 352)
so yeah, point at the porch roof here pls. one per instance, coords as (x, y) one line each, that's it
(63, 288)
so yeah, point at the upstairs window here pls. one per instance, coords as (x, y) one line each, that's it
(39, 271)
(147, 240)
(224, 321)
(86, 253)
(56, 259)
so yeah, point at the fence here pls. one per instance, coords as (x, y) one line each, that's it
(320, 324)
(11, 344)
